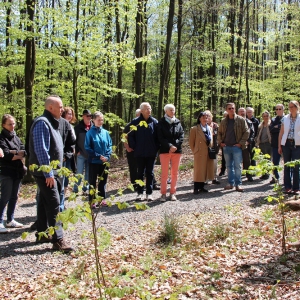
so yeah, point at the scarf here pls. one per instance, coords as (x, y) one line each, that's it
(206, 132)
(169, 120)
(8, 134)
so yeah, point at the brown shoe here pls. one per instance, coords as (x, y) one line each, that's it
(62, 246)
(239, 188)
(228, 187)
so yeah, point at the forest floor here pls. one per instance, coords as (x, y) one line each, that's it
(228, 247)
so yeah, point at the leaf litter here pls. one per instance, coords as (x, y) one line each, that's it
(232, 252)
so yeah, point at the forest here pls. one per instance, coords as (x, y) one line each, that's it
(111, 55)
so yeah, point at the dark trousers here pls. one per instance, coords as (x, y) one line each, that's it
(9, 196)
(276, 160)
(246, 159)
(291, 174)
(48, 206)
(132, 165)
(97, 171)
(145, 164)
(251, 146)
(223, 165)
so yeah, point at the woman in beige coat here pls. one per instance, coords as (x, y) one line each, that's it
(200, 139)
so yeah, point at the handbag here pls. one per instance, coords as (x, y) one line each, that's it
(212, 153)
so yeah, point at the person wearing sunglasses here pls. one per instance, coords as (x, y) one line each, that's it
(232, 137)
(274, 130)
(82, 156)
(289, 147)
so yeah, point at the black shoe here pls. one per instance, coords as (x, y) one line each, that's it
(263, 177)
(215, 181)
(33, 226)
(196, 192)
(221, 173)
(250, 178)
(273, 181)
(156, 187)
(204, 190)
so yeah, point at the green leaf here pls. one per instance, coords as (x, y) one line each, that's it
(24, 235)
(141, 206)
(122, 205)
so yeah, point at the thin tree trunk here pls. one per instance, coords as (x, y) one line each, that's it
(165, 71)
(177, 101)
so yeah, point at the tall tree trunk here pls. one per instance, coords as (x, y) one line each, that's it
(247, 54)
(232, 17)
(165, 71)
(177, 101)
(138, 51)
(30, 60)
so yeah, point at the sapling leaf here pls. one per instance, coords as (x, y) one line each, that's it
(24, 235)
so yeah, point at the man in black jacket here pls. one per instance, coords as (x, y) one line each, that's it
(82, 157)
(255, 122)
(247, 153)
(144, 142)
(274, 130)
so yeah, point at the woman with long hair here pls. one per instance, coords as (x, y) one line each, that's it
(289, 146)
(11, 171)
(263, 140)
(69, 154)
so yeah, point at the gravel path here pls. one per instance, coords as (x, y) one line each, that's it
(23, 258)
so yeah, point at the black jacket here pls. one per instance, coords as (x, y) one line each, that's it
(170, 134)
(80, 133)
(68, 138)
(144, 140)
(252, 133)
(9, 167)
(274, 130)
(255, 125)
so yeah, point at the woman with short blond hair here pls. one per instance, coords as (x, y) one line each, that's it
(170, 136)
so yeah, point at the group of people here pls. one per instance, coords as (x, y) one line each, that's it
(51, 138)
(87, 147)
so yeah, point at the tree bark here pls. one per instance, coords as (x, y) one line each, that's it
(165, 71)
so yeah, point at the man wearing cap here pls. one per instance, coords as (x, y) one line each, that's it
(82, 156)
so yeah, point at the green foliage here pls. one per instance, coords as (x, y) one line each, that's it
(170, 233)
(220, 232)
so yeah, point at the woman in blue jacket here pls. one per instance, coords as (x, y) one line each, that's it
(98, 145)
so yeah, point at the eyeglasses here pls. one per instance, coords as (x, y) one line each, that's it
(292, 106)
(278, 109)
(230, 108)
(89, 116)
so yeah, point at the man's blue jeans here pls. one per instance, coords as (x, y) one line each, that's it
(9, 196)
(82, 166)
(291, 152)
(233, 157)
(276, 160)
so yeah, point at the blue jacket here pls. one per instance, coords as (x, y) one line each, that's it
(97, 142)
(144, 140)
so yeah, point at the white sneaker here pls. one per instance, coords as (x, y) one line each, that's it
(14, 224)
(149, 197)
(163, 198)
(173, 197)
(140, 197)
(3, 229)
